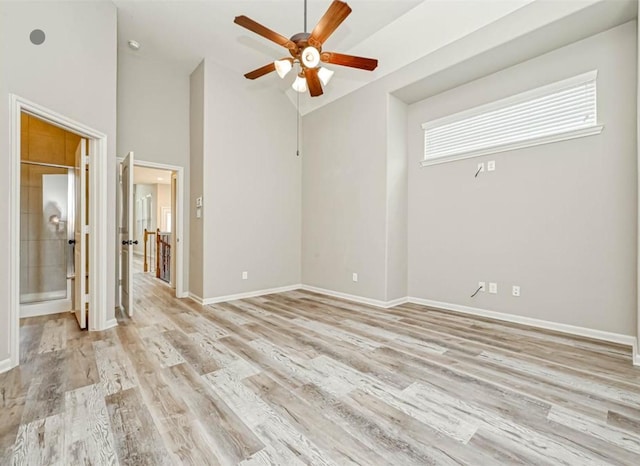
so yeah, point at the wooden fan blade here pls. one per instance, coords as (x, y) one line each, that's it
(313, 82)
(368, 64)
(266, 69)
(265, 32)
(334, 16)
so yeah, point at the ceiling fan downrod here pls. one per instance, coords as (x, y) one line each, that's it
(305, 16)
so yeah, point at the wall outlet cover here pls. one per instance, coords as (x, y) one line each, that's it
(482, 286)
(491, 165)
(245, 275)
(493, 288)
(515, 290)
(354, 277)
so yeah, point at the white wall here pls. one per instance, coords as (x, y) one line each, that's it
(397, 186)
(251, 186)
(72, 73)
(559, 220)
(344, 199)
(197, 244)
(153, 120)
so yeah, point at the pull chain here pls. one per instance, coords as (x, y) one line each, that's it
(298, 123)
(298, 95)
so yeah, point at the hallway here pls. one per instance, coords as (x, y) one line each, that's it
(300, 378)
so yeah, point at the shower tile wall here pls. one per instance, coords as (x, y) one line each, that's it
(43, 266)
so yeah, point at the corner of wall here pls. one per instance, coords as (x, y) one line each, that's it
(396, 218)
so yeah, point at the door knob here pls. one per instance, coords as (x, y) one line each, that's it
(72, 241)
(134, 242)
(125, 242)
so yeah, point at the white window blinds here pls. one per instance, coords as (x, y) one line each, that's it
(530, 118)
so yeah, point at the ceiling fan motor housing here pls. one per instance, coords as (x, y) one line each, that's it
(302, 44)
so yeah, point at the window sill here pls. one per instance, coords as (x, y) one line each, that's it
(579, 133)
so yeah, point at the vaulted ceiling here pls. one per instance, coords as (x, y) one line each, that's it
(396, 32)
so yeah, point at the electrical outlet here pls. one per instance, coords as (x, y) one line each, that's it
(491, 165)
(493, 288)
(354, 277)
(515, 291)
(480, 167)
(245, 275)
(482, 286)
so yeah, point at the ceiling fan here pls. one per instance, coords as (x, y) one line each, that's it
(306, 50)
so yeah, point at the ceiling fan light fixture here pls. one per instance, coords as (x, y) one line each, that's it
(282, 67)
(300, 84)
(325, 75)
(310, 57)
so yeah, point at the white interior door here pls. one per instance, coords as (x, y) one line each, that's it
(80, 236)
(127, 234)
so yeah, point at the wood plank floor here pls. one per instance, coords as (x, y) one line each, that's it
(300, 378)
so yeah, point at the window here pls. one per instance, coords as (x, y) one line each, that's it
(562, 110)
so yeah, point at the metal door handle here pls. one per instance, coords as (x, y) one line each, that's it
(125, 242)
(72, 241)
(134, 242)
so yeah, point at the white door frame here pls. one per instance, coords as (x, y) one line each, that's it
(178, 228)
(98, 233)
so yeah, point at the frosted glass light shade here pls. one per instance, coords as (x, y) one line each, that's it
(282, 67)
(310, 57)
(325, 75)
(300, 84)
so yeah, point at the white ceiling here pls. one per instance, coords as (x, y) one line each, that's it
(396, 32)
(144, 175)
(185, 31)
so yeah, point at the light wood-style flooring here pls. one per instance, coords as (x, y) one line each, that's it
(300, 378)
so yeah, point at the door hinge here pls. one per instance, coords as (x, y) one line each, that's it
(86, 298)
(86, 160)
(85, 229)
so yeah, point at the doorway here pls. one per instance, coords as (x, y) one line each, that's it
(150, 226)
(153, 207)
(95, 233)
(47, 217)
(53, 219)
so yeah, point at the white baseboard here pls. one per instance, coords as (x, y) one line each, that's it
(5, 365)
(627, 340)
(355, 298)
(636, 352)
(195, 297)
(249, 294)
(110, 324)
(184, 294)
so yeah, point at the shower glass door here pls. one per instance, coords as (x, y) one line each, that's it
(46, 223)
